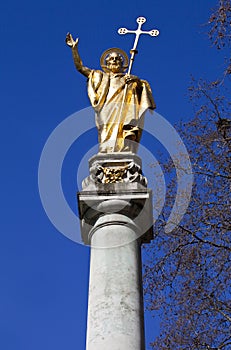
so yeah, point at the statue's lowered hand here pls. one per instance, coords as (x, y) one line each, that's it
(70, 41)
(130, 79)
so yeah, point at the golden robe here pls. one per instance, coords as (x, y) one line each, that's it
(118, 114)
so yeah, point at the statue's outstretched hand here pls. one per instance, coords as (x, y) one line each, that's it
(70, 41)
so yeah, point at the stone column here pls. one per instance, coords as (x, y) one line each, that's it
(116, 220)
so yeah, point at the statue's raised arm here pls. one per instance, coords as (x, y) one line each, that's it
(77, 60)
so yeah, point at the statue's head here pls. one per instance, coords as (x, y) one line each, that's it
(114, 60)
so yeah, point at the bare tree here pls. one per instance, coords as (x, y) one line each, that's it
(187, 272)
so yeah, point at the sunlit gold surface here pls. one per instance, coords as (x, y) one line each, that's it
(119, 100)
(113, 175)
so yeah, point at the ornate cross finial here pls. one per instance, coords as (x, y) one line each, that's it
(137, 32)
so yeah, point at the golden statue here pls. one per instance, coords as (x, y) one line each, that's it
(120, 100)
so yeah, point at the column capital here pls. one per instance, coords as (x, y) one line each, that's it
(116, 192)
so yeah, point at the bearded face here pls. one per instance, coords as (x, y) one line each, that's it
(114, 62)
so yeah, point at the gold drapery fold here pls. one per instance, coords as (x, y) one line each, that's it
(111, 116)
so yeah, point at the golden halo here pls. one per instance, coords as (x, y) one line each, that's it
(119, 51)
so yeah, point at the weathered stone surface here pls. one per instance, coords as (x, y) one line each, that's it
(128, 200)
(116, 218)
(115, 309)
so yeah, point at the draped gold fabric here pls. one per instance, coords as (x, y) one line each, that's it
(118, 114)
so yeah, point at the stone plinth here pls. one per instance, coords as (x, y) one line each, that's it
(115, 208)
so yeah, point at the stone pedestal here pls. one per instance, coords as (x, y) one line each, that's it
(116, 218)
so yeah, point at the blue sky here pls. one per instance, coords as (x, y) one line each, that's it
(44, 276)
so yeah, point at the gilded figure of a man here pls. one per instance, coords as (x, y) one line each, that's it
(119, 100)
